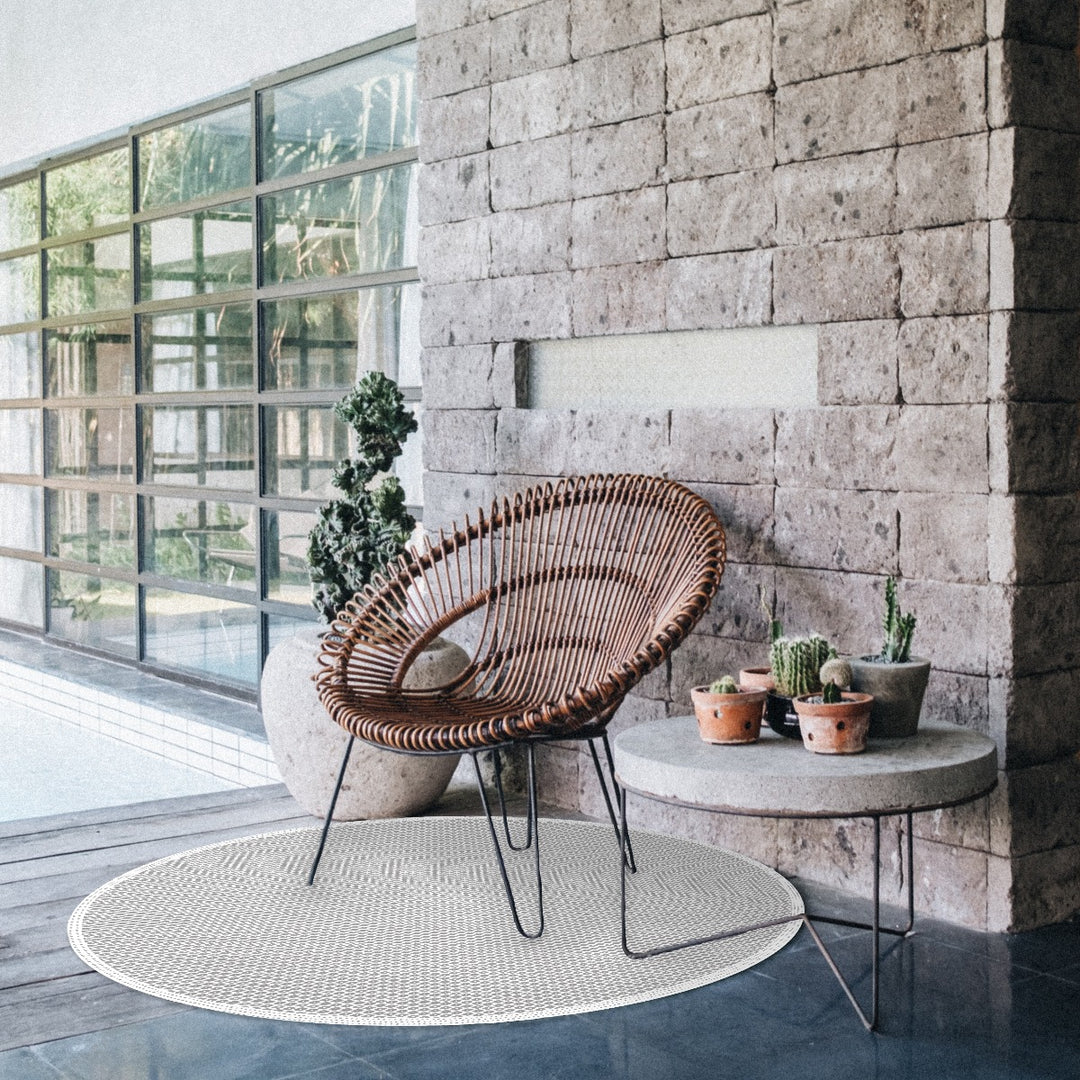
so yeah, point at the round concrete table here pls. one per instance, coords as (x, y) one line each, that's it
(941, 765)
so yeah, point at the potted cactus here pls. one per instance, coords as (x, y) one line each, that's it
(727, 713)
(896, 679)
(835, 721)
(796, 664)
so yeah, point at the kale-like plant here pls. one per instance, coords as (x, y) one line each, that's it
(359, 534)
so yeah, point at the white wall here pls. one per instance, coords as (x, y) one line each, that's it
(72, 70)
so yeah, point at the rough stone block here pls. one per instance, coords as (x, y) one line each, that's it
(1035, 356)
(943, 536)
(944, 448)
(617, 157)
(942, 94)
(448, 497)
(958, 699)
(532, 106)
(833, 530)
(723, 213)
(1028, 719)
(735, 612)
(712, 291)
(532, 442)
(722, 446)
(944, 360)
(842, 447)
(535, 241)
(1045, 628)
(1035, 822)
(510, 375)
(458, 377)
(1032, 86)
(453, 61)
(627, 299)
(530, 173)
(945, 271)
(1036, 890)
(453, 190)
(1034, 174)
(531, 307)
(454, 251)
(835, 198)
(557, 778)
(459, 440)
(719, 61)
(456, 313)
(495, 8)
(619, 86)
(840, 114)
(845, 608)
(702, 658)
(746, 511)
(848, 279)
(1042, 444)
(682, 15)
(1047, 545)
(942, 182)
(622, 228)
(454, 126)
(1039, 22)
(953, 624)
(530, 39)
(598, 27)
(951, 884)
(1033, 265)
(857, 363)
(735, 135)
(438, 16)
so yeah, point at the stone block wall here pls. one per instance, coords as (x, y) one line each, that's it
(901, 174)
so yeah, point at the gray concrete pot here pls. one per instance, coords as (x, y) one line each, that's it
(898, 691)
(308, 746)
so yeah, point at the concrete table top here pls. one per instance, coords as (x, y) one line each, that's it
(941, 765)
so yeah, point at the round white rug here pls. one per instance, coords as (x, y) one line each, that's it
(407, 923)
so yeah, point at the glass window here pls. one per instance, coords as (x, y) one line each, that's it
(282, 627)
(22, 592)
(96, 443)
(199, 157)
(87, 194)
(200, 541)
(302, 445)
(207, 349)
(94, 358)
(205, 251)
(19, 214)
(20, 365)
(92, 527)
(410, 466)
(92, 610)
(211, 445)
(356, 225)
(285, 544)
(20, 436)
(330, 340)
(20, 289)
(93, 275)
(20, 516)
(203, 636)
(352, 111)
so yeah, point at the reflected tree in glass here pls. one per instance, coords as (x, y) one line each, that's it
(93, 358)
(19, 214)
(87, 194)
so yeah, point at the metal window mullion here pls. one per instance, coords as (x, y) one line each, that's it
(345, 283)
(341, 170)
(100, 232)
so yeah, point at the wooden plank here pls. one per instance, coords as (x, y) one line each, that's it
(39, 966)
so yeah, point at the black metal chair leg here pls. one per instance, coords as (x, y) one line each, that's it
(330, 811)
(534, 833)
(631, 865)
(496, 760)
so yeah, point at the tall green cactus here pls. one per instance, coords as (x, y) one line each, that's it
(898, 628)
(796, 662)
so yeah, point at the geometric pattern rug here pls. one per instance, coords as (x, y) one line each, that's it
(407, 923)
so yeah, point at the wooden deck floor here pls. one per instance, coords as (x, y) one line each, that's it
(47, 865)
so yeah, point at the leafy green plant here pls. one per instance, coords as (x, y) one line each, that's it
(898, 627)
(359, 534)
(796, 662)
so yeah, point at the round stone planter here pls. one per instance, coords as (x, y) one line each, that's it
(898, 691)
(308, 746)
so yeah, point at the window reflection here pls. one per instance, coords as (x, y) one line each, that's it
(22, 592)
(20, 365)
(302, 446)
(353, 226)
(94, 358)
(91, 526)
(350, 112)
(90, 276)
(20, 290)
(200, 540)
(200, 445)
(203, 252)
(91, 442)
(20, 436)
(19, 215)
(88, 194)
(207, 349)
(94, 611)
(285, 544)
(20, 516)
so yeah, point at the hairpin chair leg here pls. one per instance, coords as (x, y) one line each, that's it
(496, 760)
(330, 811)
(619, 839)
(534, 834)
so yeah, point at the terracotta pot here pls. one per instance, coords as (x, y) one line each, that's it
(757, 678)
(898, 691)
(838, 728)
(728, 718)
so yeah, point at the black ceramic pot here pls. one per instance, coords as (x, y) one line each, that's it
(780, 715)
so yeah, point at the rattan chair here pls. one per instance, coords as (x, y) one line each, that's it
(577, 591)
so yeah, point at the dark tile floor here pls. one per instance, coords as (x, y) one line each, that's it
(955, 1003)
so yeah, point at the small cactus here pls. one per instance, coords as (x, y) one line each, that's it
(830, 694)
(836, 671)
(726, 685)
(898, 628)
(795, 664)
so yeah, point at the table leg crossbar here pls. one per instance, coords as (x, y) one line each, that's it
(869, 1022)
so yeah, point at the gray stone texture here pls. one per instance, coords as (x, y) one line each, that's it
(943, 448)
(1043, 442)
(532, 106)
(1034, 356)
(723, 213)
(600, 27)
(945, 271)
(1032, 86)
(857, 362)
(1030, 724)
(942, 182)
(1033, 265)
(839, 448)
(721, 137)
(722, 446)
(455, 250)
(535, 241)
(458, 313)
(617, 157)
(459, 440)
(736, 611)
(746, 511)
(1034, 174)
(720, 61)
(454, 126)
(627, 299)
(943, 536)
(619, 86)
(530, 39)
(474, 376)
(621, 228)
(681, 15)
(438, 18)
(454, 61)
(454, 189)
(531, 306)
(530, 174)
(711, 291)
(944, 360)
